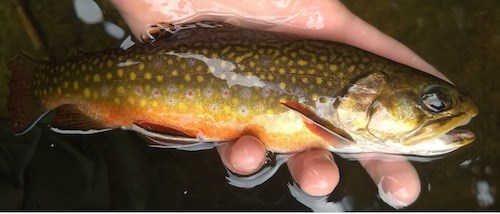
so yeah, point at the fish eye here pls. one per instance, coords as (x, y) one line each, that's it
(436, 98)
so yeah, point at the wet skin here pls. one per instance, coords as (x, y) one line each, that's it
(247, 154)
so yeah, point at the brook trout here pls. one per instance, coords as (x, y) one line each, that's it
(219, 83)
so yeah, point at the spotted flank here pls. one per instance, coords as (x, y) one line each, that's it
(216, 83)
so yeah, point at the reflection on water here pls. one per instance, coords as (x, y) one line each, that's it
(116, 170)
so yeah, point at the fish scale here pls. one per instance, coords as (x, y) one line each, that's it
(213, 84)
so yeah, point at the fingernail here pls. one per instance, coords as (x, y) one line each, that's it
(393, 193)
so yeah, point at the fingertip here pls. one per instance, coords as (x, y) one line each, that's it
(248, 155)
(244, 157)
(315, 172)
(397, 180)
(397, 192)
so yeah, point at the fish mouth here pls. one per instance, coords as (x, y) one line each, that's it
(444, 130)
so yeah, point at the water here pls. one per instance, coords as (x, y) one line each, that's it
(115, 170)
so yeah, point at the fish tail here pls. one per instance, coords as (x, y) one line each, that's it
(25, 107)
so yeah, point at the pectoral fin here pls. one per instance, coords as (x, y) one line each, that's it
(318, 125)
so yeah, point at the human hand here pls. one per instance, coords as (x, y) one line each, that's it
(314, 170)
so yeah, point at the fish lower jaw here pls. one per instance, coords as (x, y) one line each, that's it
(432, 147)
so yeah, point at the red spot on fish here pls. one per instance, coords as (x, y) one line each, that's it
(156, 93)
(189, 93)
(225, 93)
(138, 91)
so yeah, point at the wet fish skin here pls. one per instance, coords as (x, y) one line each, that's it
(219, 84)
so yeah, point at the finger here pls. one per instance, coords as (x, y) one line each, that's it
(314, 171)
(244, 157)
(396, 178)
(354, 31)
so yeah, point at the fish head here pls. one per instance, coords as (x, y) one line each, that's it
(406, 112)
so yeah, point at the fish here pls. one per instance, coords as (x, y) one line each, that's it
(218, 83)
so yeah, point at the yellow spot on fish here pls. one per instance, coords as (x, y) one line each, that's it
(170, 61)
(351, 68)
(97, 78)
(54, 80)
(119, 72)
(66, 84)
(159, 78)
(282, 85)
(59, 91)
(311, 71)
(182, 106)
(187, 78)
(84, 67)
(147, 75)
(269, 111)
(222, 76)
(282, 71)
(315, 97)
(241, 58)
(234, 100)
(132, 75)
(226, 49)
(198, 68)
(117, 100)
(293, 54)
(227, 109)
(252, 63)
(109, 75)
(262, 77)
(96, 95)
(199, 78)
(75, 85)
(319, 80)
(147, 87)
(175, 73)
(294, 79)
(154, 104)
(87, 78)
(329, 83)
(86, 92)
(141, 67)
(333, 68)
(109, 63)
(301, 62)
(142, 102)
(305, 80)
(120, 89)
(323, 58)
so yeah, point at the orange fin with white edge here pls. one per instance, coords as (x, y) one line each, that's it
(318, 125)
(71, 120)
(25, 108)
(167, 137)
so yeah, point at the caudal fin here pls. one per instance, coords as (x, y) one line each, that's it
(24, 106)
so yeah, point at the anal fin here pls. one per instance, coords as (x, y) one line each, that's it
(71, 120)
(166, 137)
